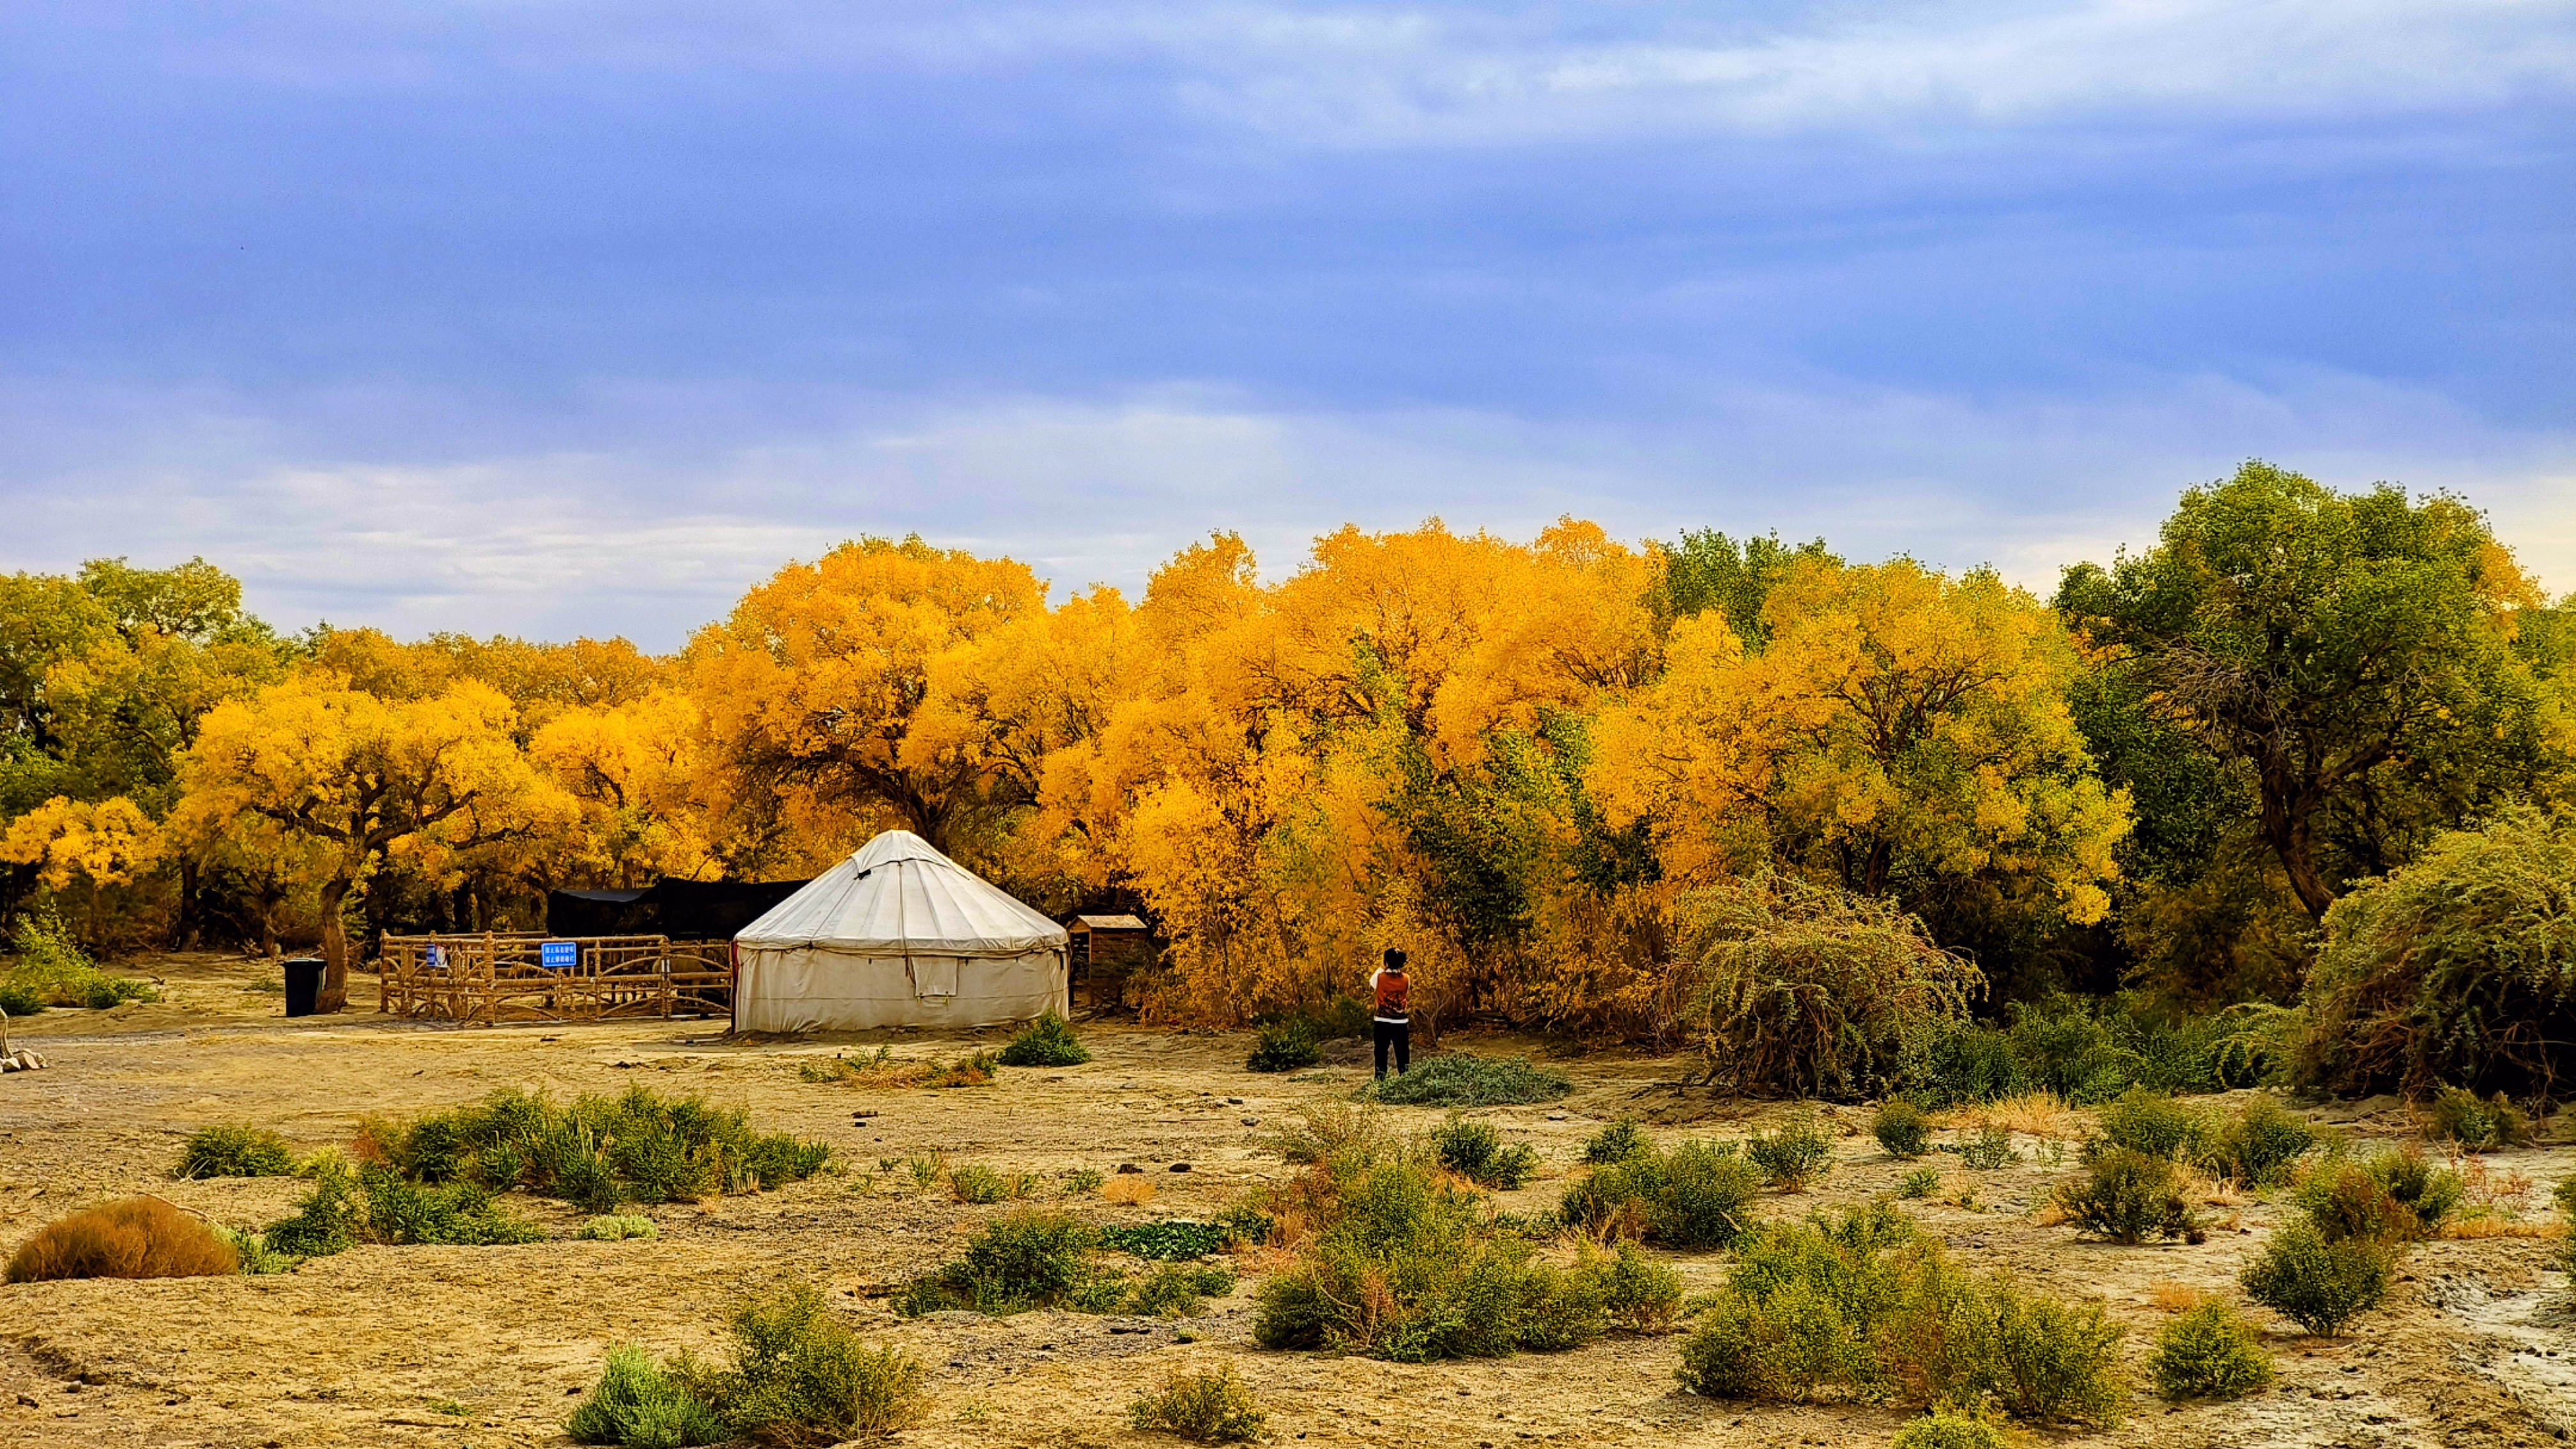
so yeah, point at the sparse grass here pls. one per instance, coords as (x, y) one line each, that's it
(1792, 1156)
(2476, 1123)
(885, 1071)
(926, 1169)
(617, 1228)
(597, 1153)
(976, 1183)
(374, 1204)
(235, 1150)
(1210, 1407)
(2174, 1297)
(1477, 1152)
(1987, 1149)
(1696, 1196)
(1046, 1042)
(1902, 1128)
(2319, 1283)
(2209, 1353)
(135, 1237)
(1323, 1130)
(2129, 1196)
(1618, 1142)
(1920, 1182)
(2032, 1114)
(1460, 1079)
(1082, 1180)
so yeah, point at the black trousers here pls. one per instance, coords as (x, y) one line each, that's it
(1401, 1034)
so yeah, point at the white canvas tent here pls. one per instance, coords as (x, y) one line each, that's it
(897, 935)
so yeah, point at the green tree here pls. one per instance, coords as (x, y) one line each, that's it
(2351, 653)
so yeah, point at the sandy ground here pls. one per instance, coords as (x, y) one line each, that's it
(484, 1347)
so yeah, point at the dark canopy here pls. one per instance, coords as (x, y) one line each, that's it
(684, 910)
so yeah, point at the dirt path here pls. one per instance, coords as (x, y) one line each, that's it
(483, 1347)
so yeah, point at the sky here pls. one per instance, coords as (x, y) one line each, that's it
(563, 318)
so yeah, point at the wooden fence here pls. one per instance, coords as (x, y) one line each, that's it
(495, 977)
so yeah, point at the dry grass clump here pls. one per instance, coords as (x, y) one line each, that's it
(2173, 1297)
(976, 1183)
(2033, 1114)
(1210, 1407)
(887, 1072)
(1128, 1189)
(135, 1237)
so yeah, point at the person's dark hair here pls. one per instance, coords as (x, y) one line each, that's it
(1394, 958)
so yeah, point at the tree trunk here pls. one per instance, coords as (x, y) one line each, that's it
(2285, 829)
(335, 948)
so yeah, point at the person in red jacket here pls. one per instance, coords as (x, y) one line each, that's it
(1393, 991)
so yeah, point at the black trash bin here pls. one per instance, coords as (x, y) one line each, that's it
(303, 985)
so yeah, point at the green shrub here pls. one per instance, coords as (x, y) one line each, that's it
(1476, 1152)
(2155, 1125)
(2454, 968)
(2344, 1199)
(2564, 1195)
(1459, 1079)
(1921, 1182)
(52, 970)
(2477, 1124)
(617, 1228)
(257, 1258)
(374, 1204)
(2319, 1283)
(1815, 991)
(2257, 1148)
(1990, 1148)
(1082, 1180)
(1618, 1142)
(1864, 1305)
(1285, 1046)
(599, 1152)
(1174, 1290)
(1904, 1129)
(802, 1377)
(2431, 1193)
(638, 1405)
(2209, 1353)
(1046, 1042)
(2129, 1197)
(19, 1001)
(1027, 1259)
(1213, 1407)
(1172, 1240)
(236, 1151)
(1944, 1429)
(1639, 1294)
(975, 1183)
(1793, 1156)
(1967, 1062)
(1695, 1196)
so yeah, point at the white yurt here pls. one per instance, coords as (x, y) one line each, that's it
(897, 935)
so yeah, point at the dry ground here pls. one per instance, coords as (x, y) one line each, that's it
(487, 1347)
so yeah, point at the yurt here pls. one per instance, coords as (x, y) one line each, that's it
(897, 935)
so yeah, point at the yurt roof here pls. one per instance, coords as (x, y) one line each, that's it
(897, 896)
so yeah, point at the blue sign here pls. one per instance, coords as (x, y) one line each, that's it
(558, 955)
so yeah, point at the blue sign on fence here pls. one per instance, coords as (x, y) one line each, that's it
(558, 955)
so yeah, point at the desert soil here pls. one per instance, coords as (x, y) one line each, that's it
(486, 1347)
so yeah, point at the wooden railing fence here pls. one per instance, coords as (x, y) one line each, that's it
(497, 976)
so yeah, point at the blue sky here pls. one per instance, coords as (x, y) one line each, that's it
(556, 318)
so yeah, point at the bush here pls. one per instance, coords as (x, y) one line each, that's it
(1324, 1130)
(2209, 1353)
(374, 1204)
(1813, 991)
(135, 1237)
(1793, 1156)
(2155, 1125)
(638, 1405)
(802, 1377)
(1943, 1429)
(1989, 1149)
(1174, 1290)
(1476, 1152)
(1458, 1079)
(2454, 968)
(19, 1001)
(1904, 1129)
(1921, 1182)
(975, 1183)
(1640, 1295)
(2393, 1196)
(1285, 1046)
(1172, 1240)
(252, 1249)
(2129, 1197)
(1030, 1258)
(1696, 1196)
(2319, 1283)
(1213, 1407)
(52, 970)
(1618, 1142)
(597, 1153)
(617, 1229)
(1045, 1042)
(1864, 1305)
(235, 1151)
(2257, 1148)
(2460, 1115)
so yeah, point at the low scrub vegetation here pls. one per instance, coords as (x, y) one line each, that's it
(1696, 1196)
(2322, 1284)
(618, 1227)
(1476, 1151)
(2207, 1352)
(2129, 1196)
(1033, 1258)
(237, 1150)
(372, 1203)
(52, 970)
(2155, 1125)
(1864, 1305)
(797, 1377)
(1285, 1046)
(885, 1070)
(2089, 1051)
(1987, 1149)
(1172, 1240)
(1902, 1128)
(1209, 1407)
(135, 1237)
(1046, 1042)
(1621, 1140)
(1791, 1156)
(2392, 1196)
(976, 1183)
(2258, 1147)
(2477, 1123)
(597, 1153)
(1949, 1429)
(1461, 1079)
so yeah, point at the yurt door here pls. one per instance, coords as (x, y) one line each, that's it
(933, 975)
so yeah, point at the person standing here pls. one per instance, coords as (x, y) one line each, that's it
(1393, 991)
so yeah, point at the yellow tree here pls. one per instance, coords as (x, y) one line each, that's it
(814, 684)
(374, 779)
(644, 779)
(1902, 732)
(97, 844)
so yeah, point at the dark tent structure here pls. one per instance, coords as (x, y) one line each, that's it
(684, 910)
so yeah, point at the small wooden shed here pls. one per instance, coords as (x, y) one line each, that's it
(1103, 950)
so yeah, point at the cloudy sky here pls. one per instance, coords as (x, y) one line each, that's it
(560, 317)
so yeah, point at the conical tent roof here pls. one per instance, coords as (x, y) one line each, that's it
(896, 896)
